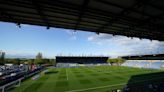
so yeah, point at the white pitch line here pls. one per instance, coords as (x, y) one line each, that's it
(67, 74)
(79, 90)
(96, 87)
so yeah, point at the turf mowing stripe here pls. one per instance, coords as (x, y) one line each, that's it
(96, 87)
(110, 85)
(67, 74)
(36, 85)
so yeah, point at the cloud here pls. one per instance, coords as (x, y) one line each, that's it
(100, 37)
(127, 46)
(72, 34)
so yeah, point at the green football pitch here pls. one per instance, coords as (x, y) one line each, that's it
(88, 79)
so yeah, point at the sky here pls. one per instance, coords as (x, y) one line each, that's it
(28, 40)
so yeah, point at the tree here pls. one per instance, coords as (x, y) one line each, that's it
(52, 61)
(39, 59)
(116, 61)
(16, 61)
(30, 61)
(120, 61)
(2, 58)
(46, 61)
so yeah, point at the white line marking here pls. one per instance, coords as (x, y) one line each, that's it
(79, 90)
(96, 87)
(66, 73)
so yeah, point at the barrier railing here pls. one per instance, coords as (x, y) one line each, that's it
(17, 82)
(11, 83)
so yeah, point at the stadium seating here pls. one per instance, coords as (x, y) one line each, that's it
(156, 64)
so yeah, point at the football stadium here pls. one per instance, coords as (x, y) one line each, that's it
(86, 74)
(81, 46)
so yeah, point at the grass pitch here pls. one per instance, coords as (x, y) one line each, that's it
(88, 79)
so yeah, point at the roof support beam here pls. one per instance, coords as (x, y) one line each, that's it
(158, 16)
(122, 7)
(125, 11)
(5, 15)
(40, 12)
(110, 14)
(81, 12)
(89, 9)
(87, 16)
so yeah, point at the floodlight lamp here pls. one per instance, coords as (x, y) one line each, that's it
(97, 33)
(19, 25)
(48, 27)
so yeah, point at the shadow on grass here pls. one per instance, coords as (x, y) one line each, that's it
(51, 72)
(150, 82)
